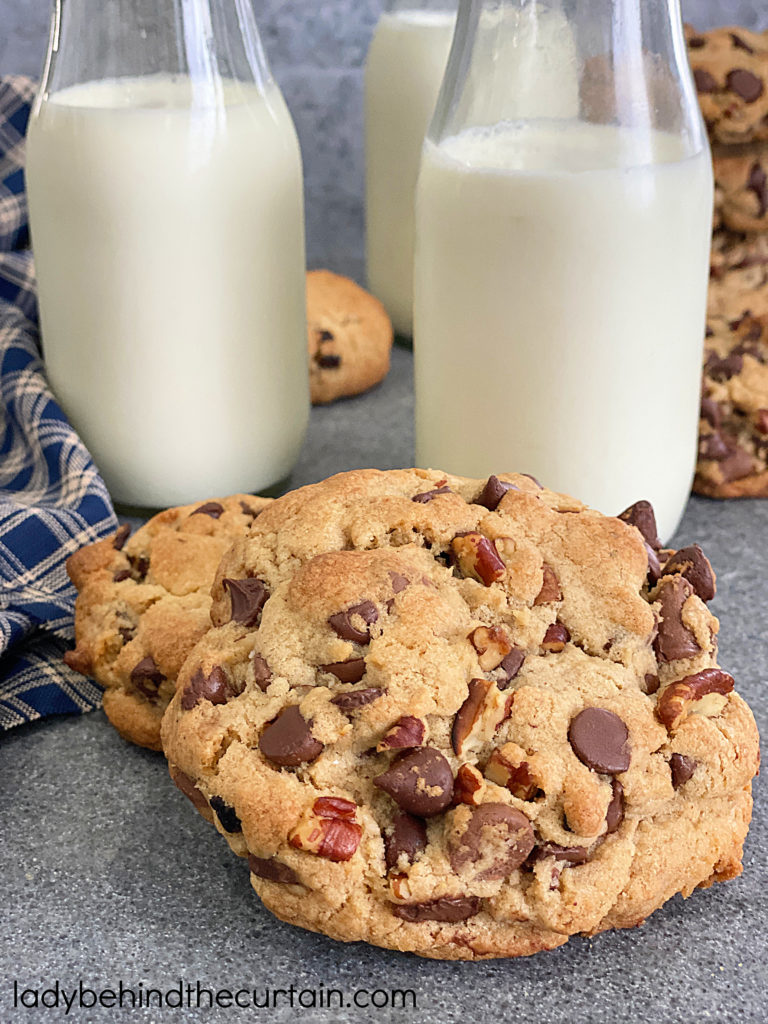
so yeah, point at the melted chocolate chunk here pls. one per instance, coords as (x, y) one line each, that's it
(495, 842)
(342, 625)
(147, 677)
(272, 870)
(350, 671)
(210, 508)
(449, 909)
(420, 782)
(705, 82)
(711, 412)
(408, 836)
(739, 43)
(758, 183)
(674, 640)
(120, 575)
(510, 666)
(288, 741)
(725, 368)
(262, 674)
(642, 517)
(226, 815)
(615, 813)
(682, 768)
(600, 740)
(121, 536)
(492, 493)
(569, 854)
(693, 565)
(746, 85)
(713, 446)
(215, 687)
(328, 360)
(247, 598)
(427, 496)
(650, 683)
(354, 699)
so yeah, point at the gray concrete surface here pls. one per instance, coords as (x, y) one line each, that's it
(317, 52)
(109, 875)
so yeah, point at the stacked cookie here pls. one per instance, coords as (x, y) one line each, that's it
(464, 718)
(730, 67)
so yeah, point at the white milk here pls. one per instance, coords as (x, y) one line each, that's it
(561, 275)
(403, 73)
(535, 75)
(169, 246)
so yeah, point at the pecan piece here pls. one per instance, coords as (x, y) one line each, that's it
(407, 731)
(468, 786)
(550, 587)
(675, 702)
(555, 638)
(507, 766)
(329, 829)
(492, 645)
(477, 557)
(481, 714)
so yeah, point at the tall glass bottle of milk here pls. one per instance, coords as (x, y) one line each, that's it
(405, 66)
(563, 228)
(165, 191)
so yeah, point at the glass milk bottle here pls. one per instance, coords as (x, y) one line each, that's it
(562, 255)
(405, 66)
(165, 191)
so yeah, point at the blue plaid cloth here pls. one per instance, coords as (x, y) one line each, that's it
(52, 499)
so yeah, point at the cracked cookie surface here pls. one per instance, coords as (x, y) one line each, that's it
(349, 336)
(144, 602)
(463, 718)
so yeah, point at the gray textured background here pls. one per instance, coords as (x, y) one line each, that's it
(317, 52)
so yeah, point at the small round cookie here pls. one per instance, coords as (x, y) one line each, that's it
(144, 602)
(741, 187)
(464, 718)
(349, 336)
(730, 69)
(733, 430)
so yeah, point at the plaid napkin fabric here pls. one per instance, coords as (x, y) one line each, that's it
(52, 499)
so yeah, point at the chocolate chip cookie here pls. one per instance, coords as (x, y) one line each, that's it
(730, 69)
(144, 602)
(733, 431)
(465, 718)
(349, 336)
(738, 279)
(741, 187)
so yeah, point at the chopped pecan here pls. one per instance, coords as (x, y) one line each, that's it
(492, 645)
(329, 829)
(550, 588)
(675, 701)
(477, 557)
(407, 731)
(555, 638)
(468, 785)
(507, 766)
(480, 715)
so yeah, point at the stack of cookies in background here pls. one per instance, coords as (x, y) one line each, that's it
(730, 67)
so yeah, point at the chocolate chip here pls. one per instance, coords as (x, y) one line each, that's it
(615, 813)
(674, 639)
(758, 183)
(569, 854)
(120, 575)
(127, 633)
(448, 909)
(534, 480)
(226, 815)
(288, 741)
(737, 464)
(705, 82)
(324, 336)
(697, 42)
(725, 368)
(510, 666)
(496, 841)
(121, 536)
(650, 683)
(693, 565)
(744, 84)
(247, 598)
(682, 768)
(711, 412)
(248, 510)
(210, 508)
(272, 870)
(262, 674)
(642, 517)
(713, 446)
(420, 782)
(215, 687)
(761, 421)
(654, 565)
(492, 493)
(407, 836)
(190, 790)
(341, 623)
(426, 496)
(739, 43)
(350, 671)
(328, 360)
(140, 566)
(399, 582)
(354, 699)
(147, 677)
(600, 740)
